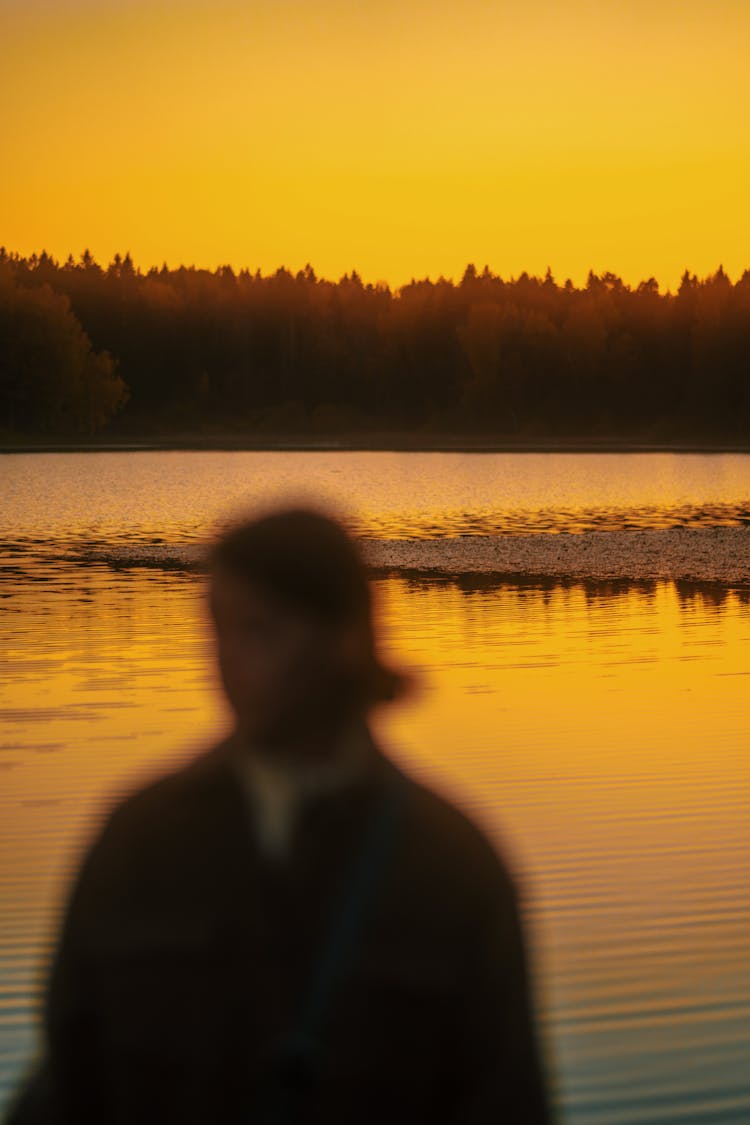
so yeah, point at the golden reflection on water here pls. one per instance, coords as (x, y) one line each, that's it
(177, 496)
(599, 734)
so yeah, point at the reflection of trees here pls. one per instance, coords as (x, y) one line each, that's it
(524, 357)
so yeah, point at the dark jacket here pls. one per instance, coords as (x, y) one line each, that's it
(184, 953)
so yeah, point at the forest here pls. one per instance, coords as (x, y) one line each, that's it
(122, 352)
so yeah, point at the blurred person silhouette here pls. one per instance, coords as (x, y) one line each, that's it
(289, 928)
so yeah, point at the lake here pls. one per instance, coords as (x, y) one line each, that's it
(597, 730)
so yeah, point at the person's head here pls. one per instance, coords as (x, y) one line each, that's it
(292, 612)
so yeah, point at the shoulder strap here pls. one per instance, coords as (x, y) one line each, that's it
(295, 1062)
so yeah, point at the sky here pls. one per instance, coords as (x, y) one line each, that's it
(398, 138)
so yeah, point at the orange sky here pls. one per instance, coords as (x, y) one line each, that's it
(399, 138)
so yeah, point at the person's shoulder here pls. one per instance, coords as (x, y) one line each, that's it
(161, 804)
(141, 840)
(458, 843)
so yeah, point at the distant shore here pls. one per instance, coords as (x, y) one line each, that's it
(395, 441)
(719, 555)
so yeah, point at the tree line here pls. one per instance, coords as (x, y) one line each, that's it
(86, 347)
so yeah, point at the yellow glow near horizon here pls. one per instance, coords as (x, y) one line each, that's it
(400, 138)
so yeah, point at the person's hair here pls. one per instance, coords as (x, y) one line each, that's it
(305, 559)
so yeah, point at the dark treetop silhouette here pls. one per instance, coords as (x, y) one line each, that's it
(170, 351)
(289, 928)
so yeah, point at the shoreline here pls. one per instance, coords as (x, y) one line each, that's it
(719, 556)
(375, 442)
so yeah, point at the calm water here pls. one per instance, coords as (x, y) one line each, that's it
(599, 733)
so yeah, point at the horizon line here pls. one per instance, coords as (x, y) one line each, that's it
(309, 270)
